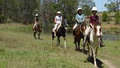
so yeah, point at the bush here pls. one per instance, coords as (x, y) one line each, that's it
(9, 21)
(117, 17)
(2, 19)
(104, 16)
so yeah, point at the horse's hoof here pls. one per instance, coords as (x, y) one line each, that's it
(76, 49)
(95, 65)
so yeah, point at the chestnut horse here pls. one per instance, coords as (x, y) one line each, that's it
(37, 29)
(79, 34)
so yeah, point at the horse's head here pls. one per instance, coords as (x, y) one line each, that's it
(97, 30)
(64, 23)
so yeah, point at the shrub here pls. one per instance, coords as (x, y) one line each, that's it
(117, 17)
(104, 16)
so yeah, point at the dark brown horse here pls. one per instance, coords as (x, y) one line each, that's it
(79, 35)
(60, 32)
(37, 29)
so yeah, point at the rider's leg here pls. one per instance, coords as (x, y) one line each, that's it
(87, 31)
(54, 29)
(58, 26)
(101, 41)
(34, 27)
(74, 29)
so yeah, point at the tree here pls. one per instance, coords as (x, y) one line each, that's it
(117, 17)
(104, 16)
(86, 10)
(113, 5)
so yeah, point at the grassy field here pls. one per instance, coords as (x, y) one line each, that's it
(18, 49)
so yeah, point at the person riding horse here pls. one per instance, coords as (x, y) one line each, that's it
(78, 28)
(59, 29)
(37, 27)
(58, 21)
(94, 19)
(80, 18)
(36, 21)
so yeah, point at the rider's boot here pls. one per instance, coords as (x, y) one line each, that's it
(74, 33)
(101, 42)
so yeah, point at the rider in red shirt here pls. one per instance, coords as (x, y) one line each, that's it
(94, 19)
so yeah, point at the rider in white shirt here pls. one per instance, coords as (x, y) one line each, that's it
(58, 21)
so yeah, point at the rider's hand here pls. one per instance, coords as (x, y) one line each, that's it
(91, 25)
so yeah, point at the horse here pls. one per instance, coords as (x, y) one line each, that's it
(37, 29)
(94, 42)
(79, 34)
(60, 32)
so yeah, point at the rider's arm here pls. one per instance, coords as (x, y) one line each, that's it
(76, 19)
(83, 18)
(55, 20)
(35, 20)
(90, 22)
(61, 19)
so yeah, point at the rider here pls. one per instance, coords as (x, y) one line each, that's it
(94, 19)
(36, 21)
(79, 19)
(58, 21)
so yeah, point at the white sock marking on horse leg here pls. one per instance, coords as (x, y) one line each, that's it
(94, 56)
(65, 43)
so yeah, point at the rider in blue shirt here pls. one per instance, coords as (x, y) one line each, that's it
(79, 19)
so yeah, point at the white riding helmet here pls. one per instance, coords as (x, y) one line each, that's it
(58, 12)
(94, 9)
(79, 9)
(36, 15)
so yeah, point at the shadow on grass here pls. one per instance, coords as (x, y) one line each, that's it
(82, 50)
(99, 62)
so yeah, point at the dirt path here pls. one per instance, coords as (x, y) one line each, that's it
(107, 63)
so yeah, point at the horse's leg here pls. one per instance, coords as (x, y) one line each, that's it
(52, 37)
(65, 42)
(83, 46)
(58, 41)
(75, 41)
(39, 34)
(79, 44)
(94, 56)
(34, 34)
(88, 50)
(96, 50)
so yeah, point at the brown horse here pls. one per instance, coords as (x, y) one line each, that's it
(79, 35)
(37, 29)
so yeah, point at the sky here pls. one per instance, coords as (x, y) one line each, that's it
(100, 5)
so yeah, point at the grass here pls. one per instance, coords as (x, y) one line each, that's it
(18, 49)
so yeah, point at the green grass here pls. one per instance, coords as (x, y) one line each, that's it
(18, 49)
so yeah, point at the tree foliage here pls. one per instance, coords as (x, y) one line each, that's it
(18, 10)
(117, 17)
(113, 5)
(23, 11)
(104, 16)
